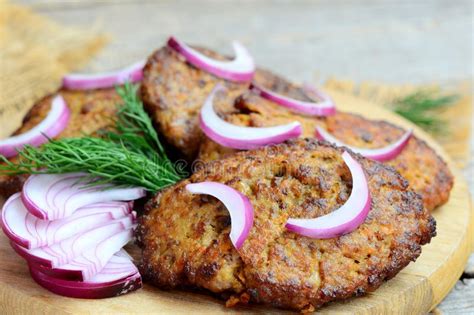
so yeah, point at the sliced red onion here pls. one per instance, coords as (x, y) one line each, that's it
(119, 276)
(30, 232)
(380, 154)
(239, 137)
(240, 69)
(324, 107)
(77, 81)
(64, 252)
(51, 126)
(56, 196)
(89, 263)
(118, 263)
(117, 209)
(345, 219)
(238, 205)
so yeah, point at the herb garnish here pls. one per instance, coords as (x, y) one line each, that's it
(421, 108)
(130, 155)
(133, 125)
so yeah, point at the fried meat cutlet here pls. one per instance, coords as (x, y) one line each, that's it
(185, 238)
(426, 172)
(173, 92)
(91, 111)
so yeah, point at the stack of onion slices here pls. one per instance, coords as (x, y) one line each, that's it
(72, 234)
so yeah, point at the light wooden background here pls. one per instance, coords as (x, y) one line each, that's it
(406, 41)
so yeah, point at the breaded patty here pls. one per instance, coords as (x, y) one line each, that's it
(426, 172)
(91, 111)
(174, 91)
(185, 237)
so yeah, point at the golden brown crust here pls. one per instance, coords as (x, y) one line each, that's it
(185, 237)
(174, 91)
(426, 172)
(424, 169)
(91, 111)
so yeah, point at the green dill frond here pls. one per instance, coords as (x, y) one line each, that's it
(130, 155)
(423, 109)
(133, 125)
(112, 162)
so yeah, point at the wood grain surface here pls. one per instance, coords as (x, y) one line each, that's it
(416, 289)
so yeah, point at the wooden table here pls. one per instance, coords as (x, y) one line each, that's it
(388, 41)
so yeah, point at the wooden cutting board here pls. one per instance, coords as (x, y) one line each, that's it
(416, 289)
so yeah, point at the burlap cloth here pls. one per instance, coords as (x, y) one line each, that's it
(36, 52)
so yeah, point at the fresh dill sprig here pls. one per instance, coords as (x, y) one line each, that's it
(130, 155)
(422, 108)
(133, 126)
(111, 161)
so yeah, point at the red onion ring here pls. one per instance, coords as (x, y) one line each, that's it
(380, 154)
(240, 69)
(65, 251)
(119, 276)
(90, 263)
(51, 126)
(325, 107)
(239, 137)
(28, 231)
(77, 81)
(345, 219)
(238, 205)
(118, 263)
(56, 196)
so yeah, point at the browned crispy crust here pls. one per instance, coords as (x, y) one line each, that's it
(91, 111)
(185, 239)
(174, 91)
(426, 172)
